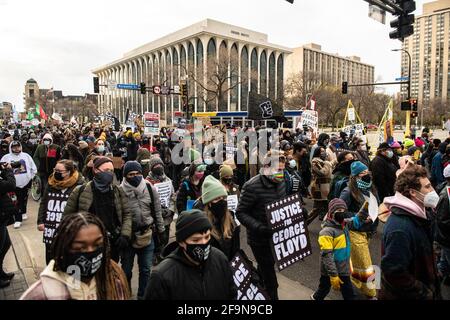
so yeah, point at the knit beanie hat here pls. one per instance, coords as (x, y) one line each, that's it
(190, 222)
(384, 146)
(154, 161)
(336, 204)
(101, 160)
(408, 143)
(396, 145)
(212, 189)
(225, 171)
(131, 166)
(357, 167)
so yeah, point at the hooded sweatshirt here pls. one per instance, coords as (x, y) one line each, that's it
(404, 203)
(27, 170)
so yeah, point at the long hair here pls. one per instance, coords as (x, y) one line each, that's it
(226, 225)
(109, 273)
(356, 192)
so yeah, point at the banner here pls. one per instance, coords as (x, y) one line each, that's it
(262, 108)
(165, 192)
(247, 289)
(357, 129)
(290, 240)
(151, 123)
(386, 127)
(309, 118)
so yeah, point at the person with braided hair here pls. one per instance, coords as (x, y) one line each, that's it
(82, 268)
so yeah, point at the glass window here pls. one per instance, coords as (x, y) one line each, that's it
(272, 76)
(263, 74)
(254, 71)
(280, 77)
(244, 78)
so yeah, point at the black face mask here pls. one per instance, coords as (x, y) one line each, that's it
(58, 176)
(158, 171)
(103, 180)
(198, 252)
(345, 167)
(135, 181)
(227, 182)
(339, 217)
(219, 209)
(87, 262)
(367, 178)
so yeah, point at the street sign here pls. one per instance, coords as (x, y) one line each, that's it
(156, 89)
(151, 123)
(402, 79)
(128, 86)
(165, 90)
(377, 13)
(112, 84)
(176, 89)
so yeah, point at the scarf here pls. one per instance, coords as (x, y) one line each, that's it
(64, 184)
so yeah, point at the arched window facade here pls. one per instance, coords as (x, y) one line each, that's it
(280, 77)
(244, 78)
(222, 93)
(254, 72)
(200, 76)
(272, 76)
(234, 77)
(263, 74)
(212, 66)
(176, 80)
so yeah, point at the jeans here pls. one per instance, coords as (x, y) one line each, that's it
(444, 262)
(22, 199)
(266, 268)
(145, 258)
(325, 286)
(5, 244)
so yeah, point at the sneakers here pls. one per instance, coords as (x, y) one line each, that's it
(24, 216)
(17, 225)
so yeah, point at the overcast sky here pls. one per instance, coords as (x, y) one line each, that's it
(58, 42)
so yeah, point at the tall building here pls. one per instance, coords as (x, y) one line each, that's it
(244, 61)
(31, 93)
(429, 50)
(318, 66)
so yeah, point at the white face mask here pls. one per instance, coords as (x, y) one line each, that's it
(293, 164)
(430, 200)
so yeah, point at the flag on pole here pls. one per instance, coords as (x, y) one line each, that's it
(30, 115)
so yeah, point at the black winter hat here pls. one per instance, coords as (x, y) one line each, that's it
(131, 166)
(190, 222)
(384, 146)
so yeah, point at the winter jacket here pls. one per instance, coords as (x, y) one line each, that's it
(334, 244)
(408, 269)
(251, 211)
(27, 170)
(83, 202)
(437, 170)
(354, 206)
(384, 177)
(46, 158)
(140, 206)
(175, 278)
(321, 172)
(57, 285)
(187, 192)
(7, 184)
(167, 204)
(442, 234)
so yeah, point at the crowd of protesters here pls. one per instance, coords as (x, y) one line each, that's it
(110, 196)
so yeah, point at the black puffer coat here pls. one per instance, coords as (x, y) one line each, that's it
(251, 211)
(384, 177)
(7, 208)
(175, 278)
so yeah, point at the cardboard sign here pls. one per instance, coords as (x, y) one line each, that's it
(232, 201)
(165, 192)
(151, 123)
(242, 276)
(357, 127)
(290, 240)
(309, 118)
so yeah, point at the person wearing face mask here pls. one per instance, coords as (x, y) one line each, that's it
(45, 157)
(81, 247)
(322, 141)
(320, 185)
(164, 186)
(145, 206)
(225, 232)
(334, 242)
(24, 171)
(301, 157)
(27, 146)
(362, 153)
(98, 151)
(143, 157)
(360, 185)
(60, 185)
(191, 187)
(226, 176)
(383, 171)
(443, 228)
(192, 269)
(408, 265)
(107, 201)
(335, 143)
(266, 187)
(4, 148)
(70, 152)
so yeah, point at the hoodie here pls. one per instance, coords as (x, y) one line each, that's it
(27, 169)
(406, 204)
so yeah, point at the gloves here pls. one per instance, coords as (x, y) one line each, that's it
(163, 239)
(265, 231)
(122, 242)
(336, 282)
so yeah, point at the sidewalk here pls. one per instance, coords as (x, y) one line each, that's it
(26, 258)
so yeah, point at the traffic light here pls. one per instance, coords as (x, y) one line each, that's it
(414, 114)
(413, 105)
(143, 88)
(406, 105)
(184, 90)
(403, 25)
(344, 87)
(96, 85)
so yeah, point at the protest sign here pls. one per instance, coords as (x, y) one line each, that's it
(358, 129)
(309, 118)
(232, 201)
(151, 123)
(164, 190)
(290, 240)
(242, 276)
(372, 206)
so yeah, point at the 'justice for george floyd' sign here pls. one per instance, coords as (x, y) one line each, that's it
(290, 240)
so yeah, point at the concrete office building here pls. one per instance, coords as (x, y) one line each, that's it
(429, 49)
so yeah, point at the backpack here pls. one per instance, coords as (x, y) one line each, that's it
(339, 186)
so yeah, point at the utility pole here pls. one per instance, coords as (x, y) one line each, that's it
(408, 113)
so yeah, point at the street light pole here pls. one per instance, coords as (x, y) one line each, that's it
(408, 113)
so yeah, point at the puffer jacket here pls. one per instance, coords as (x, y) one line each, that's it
(175, 278)
(384, 176)
(251, 211)
(83, 202)
(442, 233)
(7, 184)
